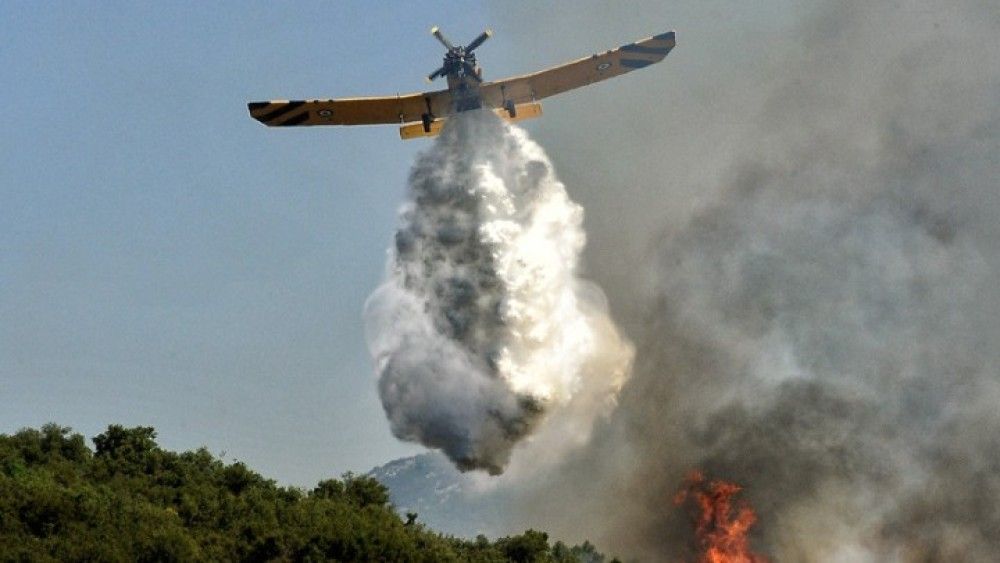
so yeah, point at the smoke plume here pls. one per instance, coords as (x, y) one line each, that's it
(823, 324)
(482, 327)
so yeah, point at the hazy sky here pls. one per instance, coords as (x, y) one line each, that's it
(167, 261)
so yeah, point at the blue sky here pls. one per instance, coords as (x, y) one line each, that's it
(167, 261)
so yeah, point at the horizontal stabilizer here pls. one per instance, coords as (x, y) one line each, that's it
(415, 130)
(529, 110)
(521, 112)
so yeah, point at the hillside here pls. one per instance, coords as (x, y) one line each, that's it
(446, 499)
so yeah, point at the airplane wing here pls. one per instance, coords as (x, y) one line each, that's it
(352, 111)
(558, 79)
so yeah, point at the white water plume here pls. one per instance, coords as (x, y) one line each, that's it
(482, 329)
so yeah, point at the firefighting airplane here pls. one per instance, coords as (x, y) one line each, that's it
(424, 114)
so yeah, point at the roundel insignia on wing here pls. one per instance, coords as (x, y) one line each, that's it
(603, 66)
(325, 113)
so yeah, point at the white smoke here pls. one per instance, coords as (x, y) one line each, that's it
(824, 326)
(482, 327)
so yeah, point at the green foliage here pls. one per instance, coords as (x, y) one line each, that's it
(365, 491)
(529, 547)
(130, 500)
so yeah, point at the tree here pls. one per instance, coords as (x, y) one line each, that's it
(329, 489)
(365, 491)
(130, 500)
(529, 547)
(126, 444)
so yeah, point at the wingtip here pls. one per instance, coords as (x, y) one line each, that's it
(254, 106)
(668, 36)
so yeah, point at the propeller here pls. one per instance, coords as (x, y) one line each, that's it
(439, 72)
(457, 55)
(436, 32)
(479, 40)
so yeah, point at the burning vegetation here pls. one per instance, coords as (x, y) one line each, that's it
(721, 530)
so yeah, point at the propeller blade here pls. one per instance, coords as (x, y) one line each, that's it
(436, 32)
(479, 40)
(471, 71)
(435, 74)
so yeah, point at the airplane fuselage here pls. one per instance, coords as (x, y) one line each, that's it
(464, 77)
(464, 93)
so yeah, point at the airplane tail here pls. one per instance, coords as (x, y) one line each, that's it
(521, 112)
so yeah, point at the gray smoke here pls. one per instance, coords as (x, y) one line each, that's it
(822, 327)
(482, 331)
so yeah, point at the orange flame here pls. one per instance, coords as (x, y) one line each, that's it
(722, 537)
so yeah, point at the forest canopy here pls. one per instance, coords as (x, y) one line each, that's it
(127, 499)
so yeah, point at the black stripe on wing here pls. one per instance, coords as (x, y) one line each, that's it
(304, 116)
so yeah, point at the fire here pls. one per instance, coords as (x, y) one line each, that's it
(722, 535)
